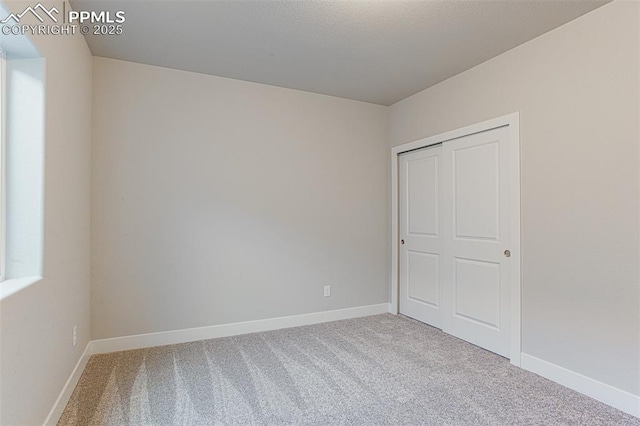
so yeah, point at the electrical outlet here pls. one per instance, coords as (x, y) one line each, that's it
(75, 335)
(327, 290)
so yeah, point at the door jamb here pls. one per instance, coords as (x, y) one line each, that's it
(513, 122)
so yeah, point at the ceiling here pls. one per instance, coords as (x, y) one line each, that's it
(372, 51)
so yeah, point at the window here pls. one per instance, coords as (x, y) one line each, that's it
(2, 168)
(22, 133)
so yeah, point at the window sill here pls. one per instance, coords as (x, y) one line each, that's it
(14, 285)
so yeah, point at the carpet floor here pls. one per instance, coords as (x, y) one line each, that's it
(378, 370)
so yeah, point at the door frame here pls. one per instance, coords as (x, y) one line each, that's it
(513, 123)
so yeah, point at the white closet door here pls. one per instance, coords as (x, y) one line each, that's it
(475, 266)
(420, 234)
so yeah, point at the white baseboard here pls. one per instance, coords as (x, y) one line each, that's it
(67, 390)
(617, 398)
(201, 333)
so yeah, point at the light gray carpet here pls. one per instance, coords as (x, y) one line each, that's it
(377, 370)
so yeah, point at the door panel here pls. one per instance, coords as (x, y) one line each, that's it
(476, 189)
(422, 277)
(422, 186)
(477, 291)
(420, 230)
(475, 235)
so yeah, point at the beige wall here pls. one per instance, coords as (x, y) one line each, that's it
(217, 201)
(36, 323)
(577, 91)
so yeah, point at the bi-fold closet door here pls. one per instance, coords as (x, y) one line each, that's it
(454, 237)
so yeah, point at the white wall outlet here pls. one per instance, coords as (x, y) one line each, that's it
(75, 335)
(327, 290)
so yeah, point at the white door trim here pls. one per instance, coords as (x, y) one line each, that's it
(513, 121)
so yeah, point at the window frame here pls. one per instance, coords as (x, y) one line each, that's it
(3, 180)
